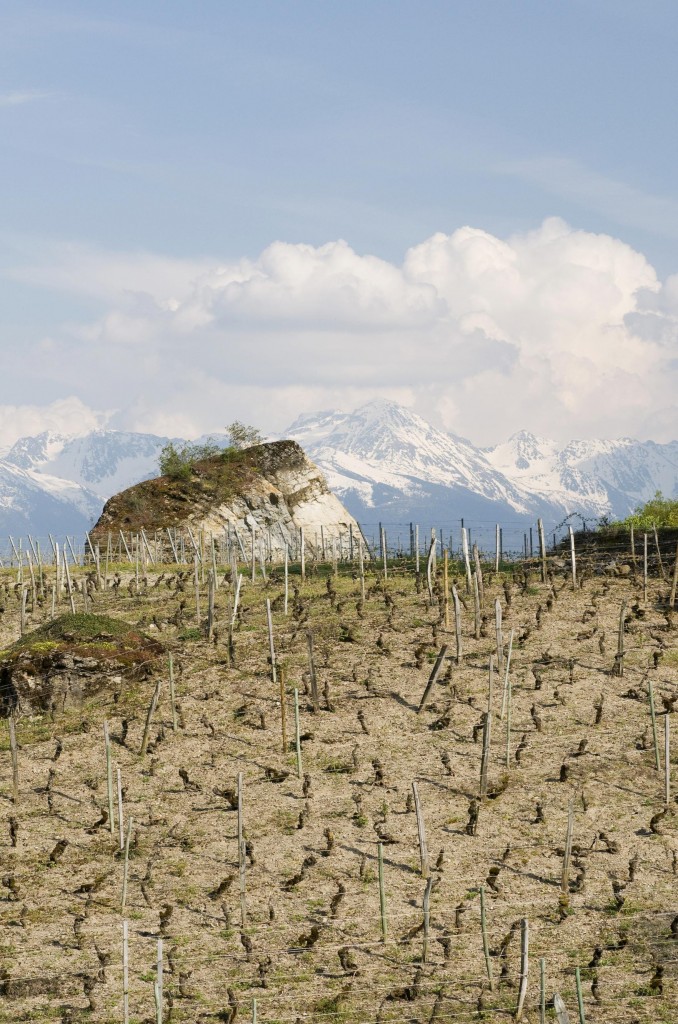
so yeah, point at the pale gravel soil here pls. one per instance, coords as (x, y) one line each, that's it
(189, 837)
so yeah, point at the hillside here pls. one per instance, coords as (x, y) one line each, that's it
(294, 921)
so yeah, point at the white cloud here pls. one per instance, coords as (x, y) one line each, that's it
(564, 332)
(64, 416)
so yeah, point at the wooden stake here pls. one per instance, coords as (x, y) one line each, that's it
(311, 665)
(241, 853)
(446, 589)
(653, 719)
(542, 549)
(573, 558)
(423, 851)
(149, 717)
(580, 997)
(283, 717)
(674, 585)
(429, 568)
(171, 689)
(565, 876)
(457, 623)
(287, 576)
(497, 627)
(271, 647)
(303, 552)
(109, 778)
(433, 677)
(297, 734)
(667, 760)
(505, 693)
(659, 553)
(524, 963)
(15, 759)
(645, 568)
(382, 892)
(467, 564)
(542, 990)
(125, 868)
(486, 944)
(120, 821)
(427, 919)
(478, 574)
(125, 972)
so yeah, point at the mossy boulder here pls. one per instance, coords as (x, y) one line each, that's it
(70, 659)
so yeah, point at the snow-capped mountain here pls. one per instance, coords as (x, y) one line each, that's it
(385, 462)
(388, 463)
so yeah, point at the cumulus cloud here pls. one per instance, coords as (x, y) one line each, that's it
(562, 331)
(63, 416)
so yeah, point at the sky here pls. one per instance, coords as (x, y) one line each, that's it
(217, 211)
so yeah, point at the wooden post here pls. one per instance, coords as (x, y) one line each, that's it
(505, 694)
(476, 608)
(580, 997)
(254, 550)
(211, 585)
(496, 549)
(542, 549)
(429, 568)
(125, 869)
(302, 547)
(384, 551)
(196, 583)
(109, 778)
(382, 892)
(416, 548)
(659, 553)
(619, 661)
(433, 677)
(500, 641)
(159, 981)
(287, 577)
(507, 691)
(674, 585)
(667, 759)
(297, 734)
(423, 851)
(15, 759)
(565, 875)
(446, 589)
(171, 689)
(125, 972)
(121, 836)
(573, 558)
(427, 919)
(149, 717)
(645, 568)
(653, 719)
(486, 944)
(311, 666)
(457, 623)
(467, 563)
(241, 853)
(361, 567)
(487, 739)
(271, 647)
(479, 574)
(524, 962)
(283, 716)
(542, 990)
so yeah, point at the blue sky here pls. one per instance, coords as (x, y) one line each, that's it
(192, 136)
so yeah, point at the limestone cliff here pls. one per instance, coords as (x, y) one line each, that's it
(272, 488)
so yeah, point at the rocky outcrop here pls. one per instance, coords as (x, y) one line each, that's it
(272, 489)
(69, 660)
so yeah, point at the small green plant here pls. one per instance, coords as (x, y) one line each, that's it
(177, 460)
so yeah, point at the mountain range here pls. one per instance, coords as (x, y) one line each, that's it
(386, 463)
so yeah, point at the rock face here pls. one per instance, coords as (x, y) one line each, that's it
(272, 489)
(64, 663)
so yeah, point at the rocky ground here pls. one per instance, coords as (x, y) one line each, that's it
(304, 937)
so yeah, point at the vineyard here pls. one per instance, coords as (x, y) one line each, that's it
(420, 791)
